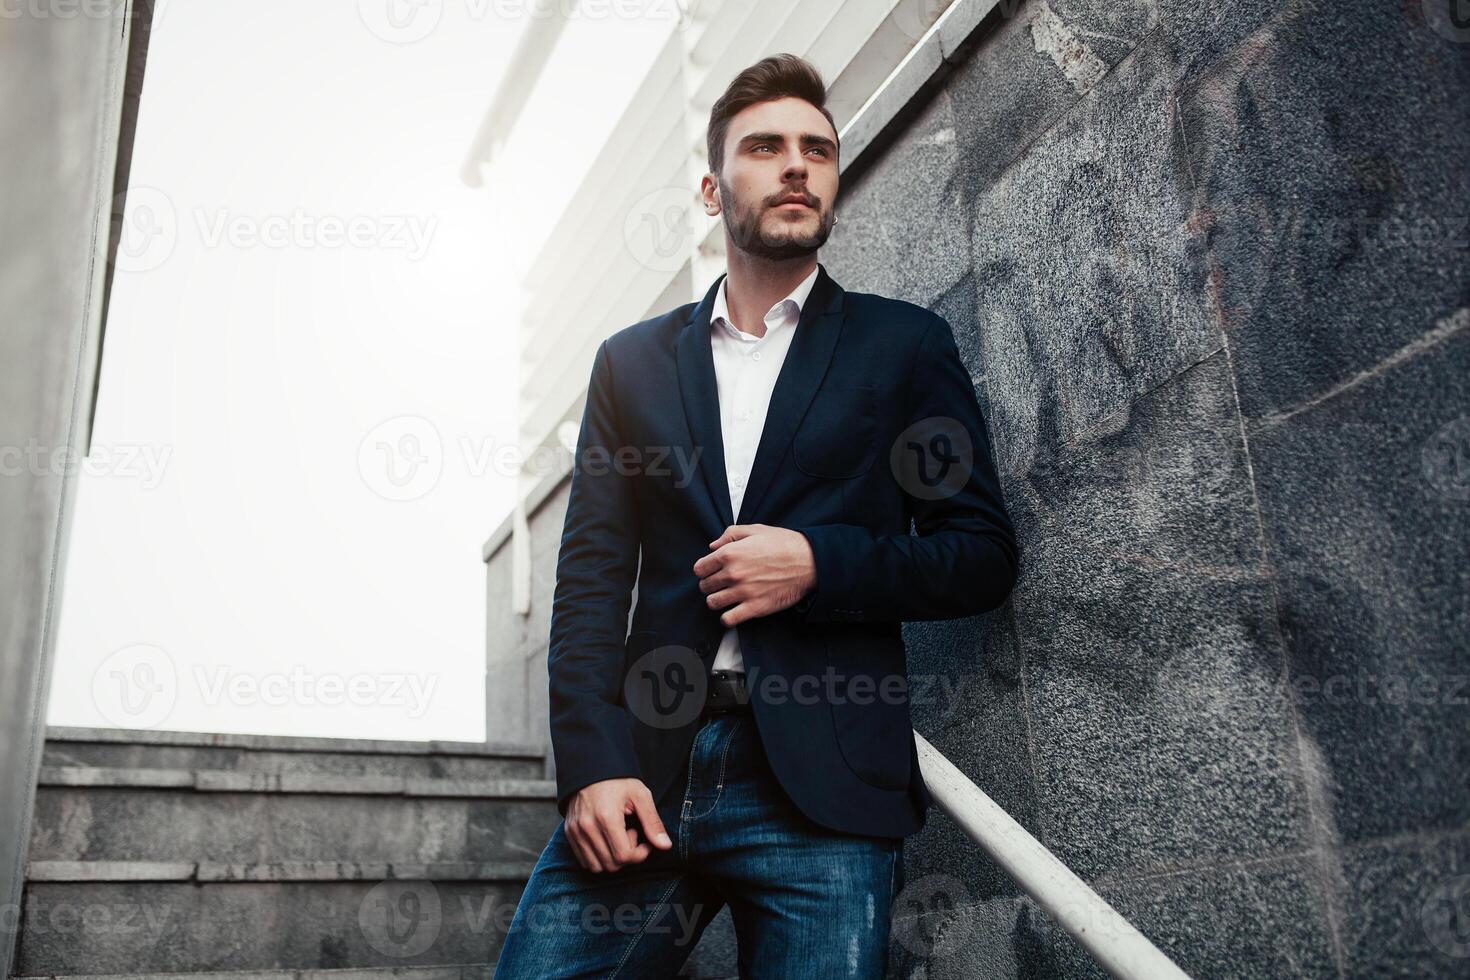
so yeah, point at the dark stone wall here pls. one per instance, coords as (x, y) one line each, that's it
(1207, 263)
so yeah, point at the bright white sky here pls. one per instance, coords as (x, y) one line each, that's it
(309, 299)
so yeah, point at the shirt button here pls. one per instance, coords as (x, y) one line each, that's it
(755, 355)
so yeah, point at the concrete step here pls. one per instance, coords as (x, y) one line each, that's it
(465, 971)
(189, 855)
(140, 919)
(118, 748)
(85, 872)
(87, 813)
(165, 919)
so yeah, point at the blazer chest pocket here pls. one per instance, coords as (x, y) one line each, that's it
(836, 439)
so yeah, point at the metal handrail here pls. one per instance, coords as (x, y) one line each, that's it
(1112, 940)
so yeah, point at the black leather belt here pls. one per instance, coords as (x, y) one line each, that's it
(726, 692)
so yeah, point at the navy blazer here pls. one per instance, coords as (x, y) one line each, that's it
(873, 424)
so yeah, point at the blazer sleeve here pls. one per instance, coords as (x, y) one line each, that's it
(963, 560)
(591, 732)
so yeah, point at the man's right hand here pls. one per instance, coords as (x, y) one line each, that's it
(596, 824)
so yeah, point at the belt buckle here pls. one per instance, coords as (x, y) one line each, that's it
(725, 688)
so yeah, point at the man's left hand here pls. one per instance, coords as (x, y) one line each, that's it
(755, 570)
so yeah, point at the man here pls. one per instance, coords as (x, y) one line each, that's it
(748, 740)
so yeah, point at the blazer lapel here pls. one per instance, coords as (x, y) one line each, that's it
(700, 393)
(806, 363)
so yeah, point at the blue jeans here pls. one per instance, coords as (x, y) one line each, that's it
(805, 901)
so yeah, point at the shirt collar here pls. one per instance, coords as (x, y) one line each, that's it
(721, 311)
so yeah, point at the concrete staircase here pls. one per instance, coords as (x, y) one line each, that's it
(189, 855)
(165, 853)
(178, 853)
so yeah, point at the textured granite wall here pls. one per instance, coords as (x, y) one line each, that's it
(1208, 266)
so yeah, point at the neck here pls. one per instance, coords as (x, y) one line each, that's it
(753, 285)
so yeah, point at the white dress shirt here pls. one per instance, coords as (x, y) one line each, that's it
(746, 368)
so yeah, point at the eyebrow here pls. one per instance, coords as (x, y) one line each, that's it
(810, 139)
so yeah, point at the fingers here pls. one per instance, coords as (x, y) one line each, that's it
(742, 610)
(716, 560)
(640, 849)
(709, 564)
(576, 837)
(589, 843)
(630, 845)
(653, 827)
(622, 843)
(724, 599)
(602, 838)
(732, 533)
(716, 581)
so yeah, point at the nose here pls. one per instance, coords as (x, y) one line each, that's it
(795, 166)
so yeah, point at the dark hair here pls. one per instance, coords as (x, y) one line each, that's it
(777, 77)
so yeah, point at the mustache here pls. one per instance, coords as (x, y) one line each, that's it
(810, 200)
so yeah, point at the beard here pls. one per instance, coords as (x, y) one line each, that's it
(787, 241)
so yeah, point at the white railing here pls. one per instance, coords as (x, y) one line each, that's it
(1112, 940)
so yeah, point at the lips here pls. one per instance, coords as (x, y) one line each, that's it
(794, 200)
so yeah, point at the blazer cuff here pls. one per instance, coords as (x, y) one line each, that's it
(606, 752)
(838, 551)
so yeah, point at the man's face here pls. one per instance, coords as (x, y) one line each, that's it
(775, 151)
